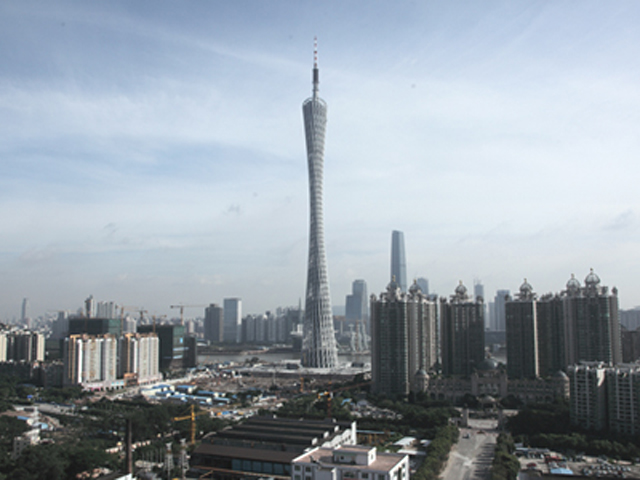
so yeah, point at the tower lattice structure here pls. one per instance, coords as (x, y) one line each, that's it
(319, 343)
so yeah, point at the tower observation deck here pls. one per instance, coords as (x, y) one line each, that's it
(318, 341)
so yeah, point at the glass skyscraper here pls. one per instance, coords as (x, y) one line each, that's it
(398, 261)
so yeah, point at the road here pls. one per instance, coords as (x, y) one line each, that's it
(471, 457)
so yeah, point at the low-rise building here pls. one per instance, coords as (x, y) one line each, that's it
(356, 462)
(489, 379)
(266, 446)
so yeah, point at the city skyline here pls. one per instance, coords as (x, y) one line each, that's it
(153, 154)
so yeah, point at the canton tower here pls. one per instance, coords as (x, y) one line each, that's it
(318, 341)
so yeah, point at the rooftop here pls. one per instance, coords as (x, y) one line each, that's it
(324, 457)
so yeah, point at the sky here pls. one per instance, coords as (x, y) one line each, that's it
(152, 152)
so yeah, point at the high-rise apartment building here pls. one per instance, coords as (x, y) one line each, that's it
(550, 329)
(173, 345)
(3, 346)
(592, 329)
(423, 335)
(103, 361)
(390, 342)
(23, 346)
(623, 398)
(403, 340)
(522, 334)
(398, 260)
(319, 348)
(462, 333)
(588, 395)
(213, 323)
(90, 360)
(90, 307)
(232, 319)
(139, 355)
(605, 397)
(106, 310)
(630, 341)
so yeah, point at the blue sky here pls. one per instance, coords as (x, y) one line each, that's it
(153, 152)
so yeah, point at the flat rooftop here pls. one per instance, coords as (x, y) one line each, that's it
(324, 456)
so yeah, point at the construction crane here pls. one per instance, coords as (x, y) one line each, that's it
(330, 391)
(154, 317)
(182, 306)
(192, 416)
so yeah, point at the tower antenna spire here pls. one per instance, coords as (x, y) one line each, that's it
(316, 74)
(315, 52)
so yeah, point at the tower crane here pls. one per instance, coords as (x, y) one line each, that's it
(182, 306)
(154, 317)
(192, 416)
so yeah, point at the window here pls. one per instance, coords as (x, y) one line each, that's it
(297, 468)
(365, 475)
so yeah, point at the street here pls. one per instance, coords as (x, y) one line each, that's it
(471, 457)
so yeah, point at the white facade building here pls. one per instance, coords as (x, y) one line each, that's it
(90, 360)
(353, 462)
(587, 395)
(139, 358)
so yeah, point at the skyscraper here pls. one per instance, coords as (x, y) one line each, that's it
(398, 261)
(423, 283)
(232, 319)
(498, 320)
(462, 327)
(357, 314)
(213, 323)
(357, 303)
(478, 289)
(25, 310)
(319, 342)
